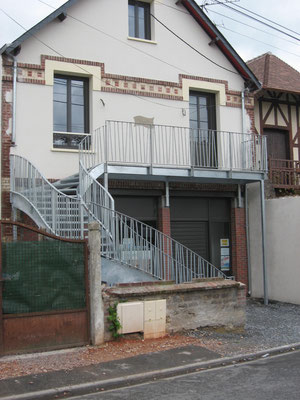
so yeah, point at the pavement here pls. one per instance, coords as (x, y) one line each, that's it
(123, 373)
(269, 378)
(270, 330)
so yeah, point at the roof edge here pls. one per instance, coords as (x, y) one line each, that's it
(224, 46)
(8, 48)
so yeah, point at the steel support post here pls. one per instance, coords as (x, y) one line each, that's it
(248, 241)
(263, 239)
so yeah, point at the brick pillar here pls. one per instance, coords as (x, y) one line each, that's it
(164, 222)
(239, 245)
(164, 225)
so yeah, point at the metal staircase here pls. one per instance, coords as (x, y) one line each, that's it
(65, 207)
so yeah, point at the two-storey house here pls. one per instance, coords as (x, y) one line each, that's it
(158, 108)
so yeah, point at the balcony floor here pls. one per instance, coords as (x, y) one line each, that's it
(200, 175)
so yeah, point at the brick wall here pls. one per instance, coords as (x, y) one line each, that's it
(164, 225)
(213, 303)
(239, 245)
(6, 130)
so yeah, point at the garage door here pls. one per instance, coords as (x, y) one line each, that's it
(193, 235)
(199, 223)
(143, 208)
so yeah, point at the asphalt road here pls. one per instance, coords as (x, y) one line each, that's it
(274, 378)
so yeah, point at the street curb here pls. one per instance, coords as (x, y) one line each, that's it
(115, 383)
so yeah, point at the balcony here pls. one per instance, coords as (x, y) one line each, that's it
(284, 174)
(162, 150)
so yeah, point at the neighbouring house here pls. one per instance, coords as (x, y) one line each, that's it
(277, 115)
(159, 110)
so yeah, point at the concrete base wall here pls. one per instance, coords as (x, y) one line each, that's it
(215, 303)
(282, 247)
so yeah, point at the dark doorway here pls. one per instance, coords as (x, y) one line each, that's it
(277, 143)
(203, 129)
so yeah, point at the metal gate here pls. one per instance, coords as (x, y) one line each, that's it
(44, 302)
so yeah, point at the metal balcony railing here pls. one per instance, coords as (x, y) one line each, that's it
(130, 144)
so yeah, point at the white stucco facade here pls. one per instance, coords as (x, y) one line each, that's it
(97, 35)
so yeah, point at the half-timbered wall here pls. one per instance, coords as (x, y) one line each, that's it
(279, 111)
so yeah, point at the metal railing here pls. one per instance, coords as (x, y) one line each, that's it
(124, 239)
(131, 242)
(284, 173)
(126, 143)
(60, 214)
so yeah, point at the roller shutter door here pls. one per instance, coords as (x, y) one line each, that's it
(199, 223)
(192, 234)
(142, 208)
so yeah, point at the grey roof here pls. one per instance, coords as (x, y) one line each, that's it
(194, 10)
(8, 48)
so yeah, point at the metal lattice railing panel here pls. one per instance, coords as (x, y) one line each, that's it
(138, 245)
(126, 143)
(61, 214)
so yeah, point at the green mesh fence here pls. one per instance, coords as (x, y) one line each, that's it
(43, 275)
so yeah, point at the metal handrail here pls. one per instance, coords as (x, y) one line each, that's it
(61, 214)
(134, 243)
(127, 143)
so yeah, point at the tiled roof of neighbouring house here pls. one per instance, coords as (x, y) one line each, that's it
(275, 74)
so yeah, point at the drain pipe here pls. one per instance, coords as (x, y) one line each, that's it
(243, 109)
(14, 99)
(243, 126)
(15, 69)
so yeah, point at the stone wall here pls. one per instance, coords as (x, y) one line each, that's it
(210, 303)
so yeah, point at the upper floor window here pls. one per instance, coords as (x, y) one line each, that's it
(70, 110)
(139, 19)
(203, 124)
(202, 111)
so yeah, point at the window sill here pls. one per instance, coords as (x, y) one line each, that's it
(54, 149)
(141, 40)
(64, 150)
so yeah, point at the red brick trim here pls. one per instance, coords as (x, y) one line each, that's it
(115, 87)
(199, 78)
(239, 245)
(139, 93)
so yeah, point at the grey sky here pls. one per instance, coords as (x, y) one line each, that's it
(29, 12)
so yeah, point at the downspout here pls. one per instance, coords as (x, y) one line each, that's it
(243, 109)
(15, 71)
(1, 68)
(243, 128)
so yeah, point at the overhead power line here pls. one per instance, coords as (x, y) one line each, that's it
(185, 42)
(257, 40)
(258, 20)
(267, 19)
(86, 71)
(254, 27)
(193, 48)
